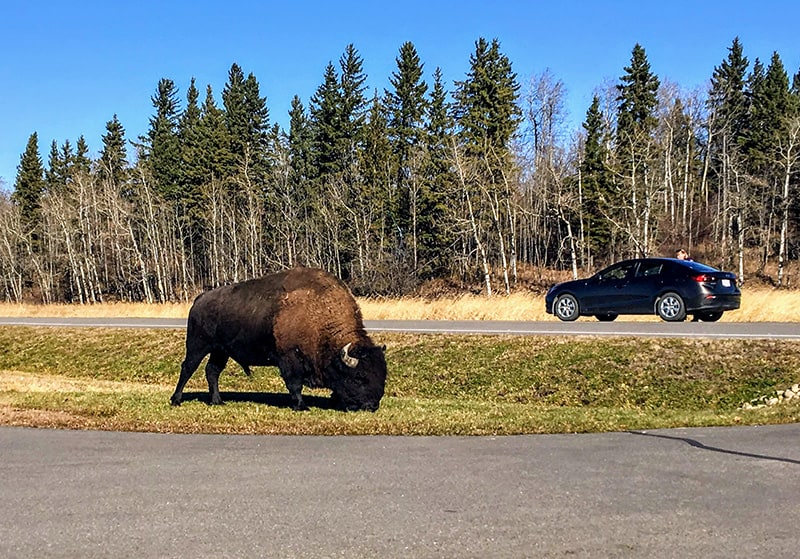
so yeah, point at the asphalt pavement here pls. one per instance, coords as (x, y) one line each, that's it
(716, 492)
(585, 327)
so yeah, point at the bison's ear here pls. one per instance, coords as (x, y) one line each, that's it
(383, 348)
(347, 359)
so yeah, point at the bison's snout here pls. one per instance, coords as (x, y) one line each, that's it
(370, 406)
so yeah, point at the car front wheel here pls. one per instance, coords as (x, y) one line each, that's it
(670, 307)
(566, 308)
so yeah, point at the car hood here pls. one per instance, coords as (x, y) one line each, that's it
(569, 285)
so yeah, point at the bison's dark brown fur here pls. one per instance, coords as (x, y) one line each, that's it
(304, 321)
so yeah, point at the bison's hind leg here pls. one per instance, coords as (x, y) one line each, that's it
(188, 367)
(216, 362)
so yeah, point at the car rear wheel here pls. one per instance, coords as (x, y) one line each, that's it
(670, 307)
(710, 316)
(566, 307)
(609, 317)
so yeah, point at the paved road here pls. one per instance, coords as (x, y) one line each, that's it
(724, 492)
(742, 330)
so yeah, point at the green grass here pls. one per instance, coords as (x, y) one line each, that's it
(459, 385)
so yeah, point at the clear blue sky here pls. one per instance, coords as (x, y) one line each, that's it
(67, 67)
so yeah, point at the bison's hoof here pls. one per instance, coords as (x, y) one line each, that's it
(216, 403)
(175, 401)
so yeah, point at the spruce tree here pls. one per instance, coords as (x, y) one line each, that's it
(192, 172)
(638, 100)
(636, 122)
(59, 166)
(376, 153)
(486, 107)
(326, 126)
(82, 161)
(372, 196)
(163, 155)
(299, 148)
(299, 141)
(51, 174)
(29, 187)
(257, 132)
(214, 141)
(233, 102)
(406, 106)
(770, 102)
(597, 188)
(353, 107)
(435, 228)
(113, 164)
(726, 98)
(796, 85)
(247, 121)
(487, 118)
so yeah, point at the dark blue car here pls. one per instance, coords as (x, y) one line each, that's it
(667, 287)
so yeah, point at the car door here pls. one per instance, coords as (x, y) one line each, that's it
(645, 285)
(610, 293)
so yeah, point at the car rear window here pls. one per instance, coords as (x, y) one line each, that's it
(697, 266)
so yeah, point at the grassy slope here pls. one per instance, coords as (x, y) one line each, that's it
(121, 379)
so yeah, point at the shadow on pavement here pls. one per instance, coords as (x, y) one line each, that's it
(701, 446)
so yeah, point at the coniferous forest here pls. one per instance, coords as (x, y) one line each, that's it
(477, 183)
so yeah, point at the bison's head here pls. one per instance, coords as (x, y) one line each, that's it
(361, 377)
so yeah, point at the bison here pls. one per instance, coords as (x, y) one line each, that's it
(305, 321)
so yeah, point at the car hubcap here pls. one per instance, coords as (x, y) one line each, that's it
(566, 307)
(670, 307)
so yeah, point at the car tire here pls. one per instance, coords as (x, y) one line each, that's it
(710, 316)
(671, 308)
(566, 308)
(609, 317)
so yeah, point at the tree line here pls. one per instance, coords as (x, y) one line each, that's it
(482, 183)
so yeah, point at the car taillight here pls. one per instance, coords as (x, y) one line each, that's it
(703, 278)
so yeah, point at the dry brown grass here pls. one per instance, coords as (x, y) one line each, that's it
(517, 306)
(105, 310)
(758, 305)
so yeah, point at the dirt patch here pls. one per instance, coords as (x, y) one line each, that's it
(18, 417)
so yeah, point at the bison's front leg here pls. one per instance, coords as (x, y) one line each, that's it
(292, 373)
(216, 362)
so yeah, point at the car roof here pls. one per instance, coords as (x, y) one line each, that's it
(697, 266)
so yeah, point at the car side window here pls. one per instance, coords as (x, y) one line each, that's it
(618, 273)
(650, 270)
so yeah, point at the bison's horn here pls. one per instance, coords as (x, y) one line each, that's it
(351, 362)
